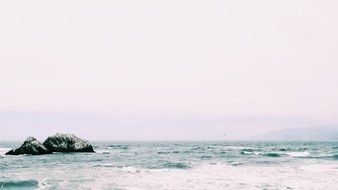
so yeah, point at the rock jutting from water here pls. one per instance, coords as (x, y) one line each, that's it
(56, 143)
(30, 146)
(67, 143)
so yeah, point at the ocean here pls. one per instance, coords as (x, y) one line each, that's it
(176, 165)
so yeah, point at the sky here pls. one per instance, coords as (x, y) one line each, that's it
(166, 70)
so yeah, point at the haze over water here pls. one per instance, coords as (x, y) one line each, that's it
(160, 70)
(164, 90)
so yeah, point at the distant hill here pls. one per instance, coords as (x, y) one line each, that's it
(318, 133)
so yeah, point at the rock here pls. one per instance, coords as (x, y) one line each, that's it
(67, 143)
(56, 143)
(30, 146)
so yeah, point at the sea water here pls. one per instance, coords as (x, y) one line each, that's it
(176, 165)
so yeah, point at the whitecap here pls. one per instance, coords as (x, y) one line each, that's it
(298, 154)
(131, 169)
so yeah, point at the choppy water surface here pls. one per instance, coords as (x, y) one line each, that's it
(177, 165)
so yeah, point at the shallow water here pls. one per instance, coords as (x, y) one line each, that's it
(177, 165)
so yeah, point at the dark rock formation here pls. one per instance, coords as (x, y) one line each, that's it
(67, 143)
(30, 146)
(56, 143)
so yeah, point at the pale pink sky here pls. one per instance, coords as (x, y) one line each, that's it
(215, 66)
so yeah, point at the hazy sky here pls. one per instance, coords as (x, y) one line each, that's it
(166, 69)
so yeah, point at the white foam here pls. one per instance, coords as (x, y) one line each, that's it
(298, 154)
(103, 151)
(240, 148)
(131, 169)
(247, 152)
(305, 175)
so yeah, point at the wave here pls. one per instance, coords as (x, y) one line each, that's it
(207, 157)
(176, 165)
(124, 147)
(173, 152)
(196, 148)
(163, 152)
(131, 169)
(298, 154)
(278, 154)
(250, 153)
(282, 149)
(250, 149)
(269, 154)
(243, 148)
(104, 165)
(329, 157)
(272, 154)
(24, 184)
(324, 156)
(159, 166)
